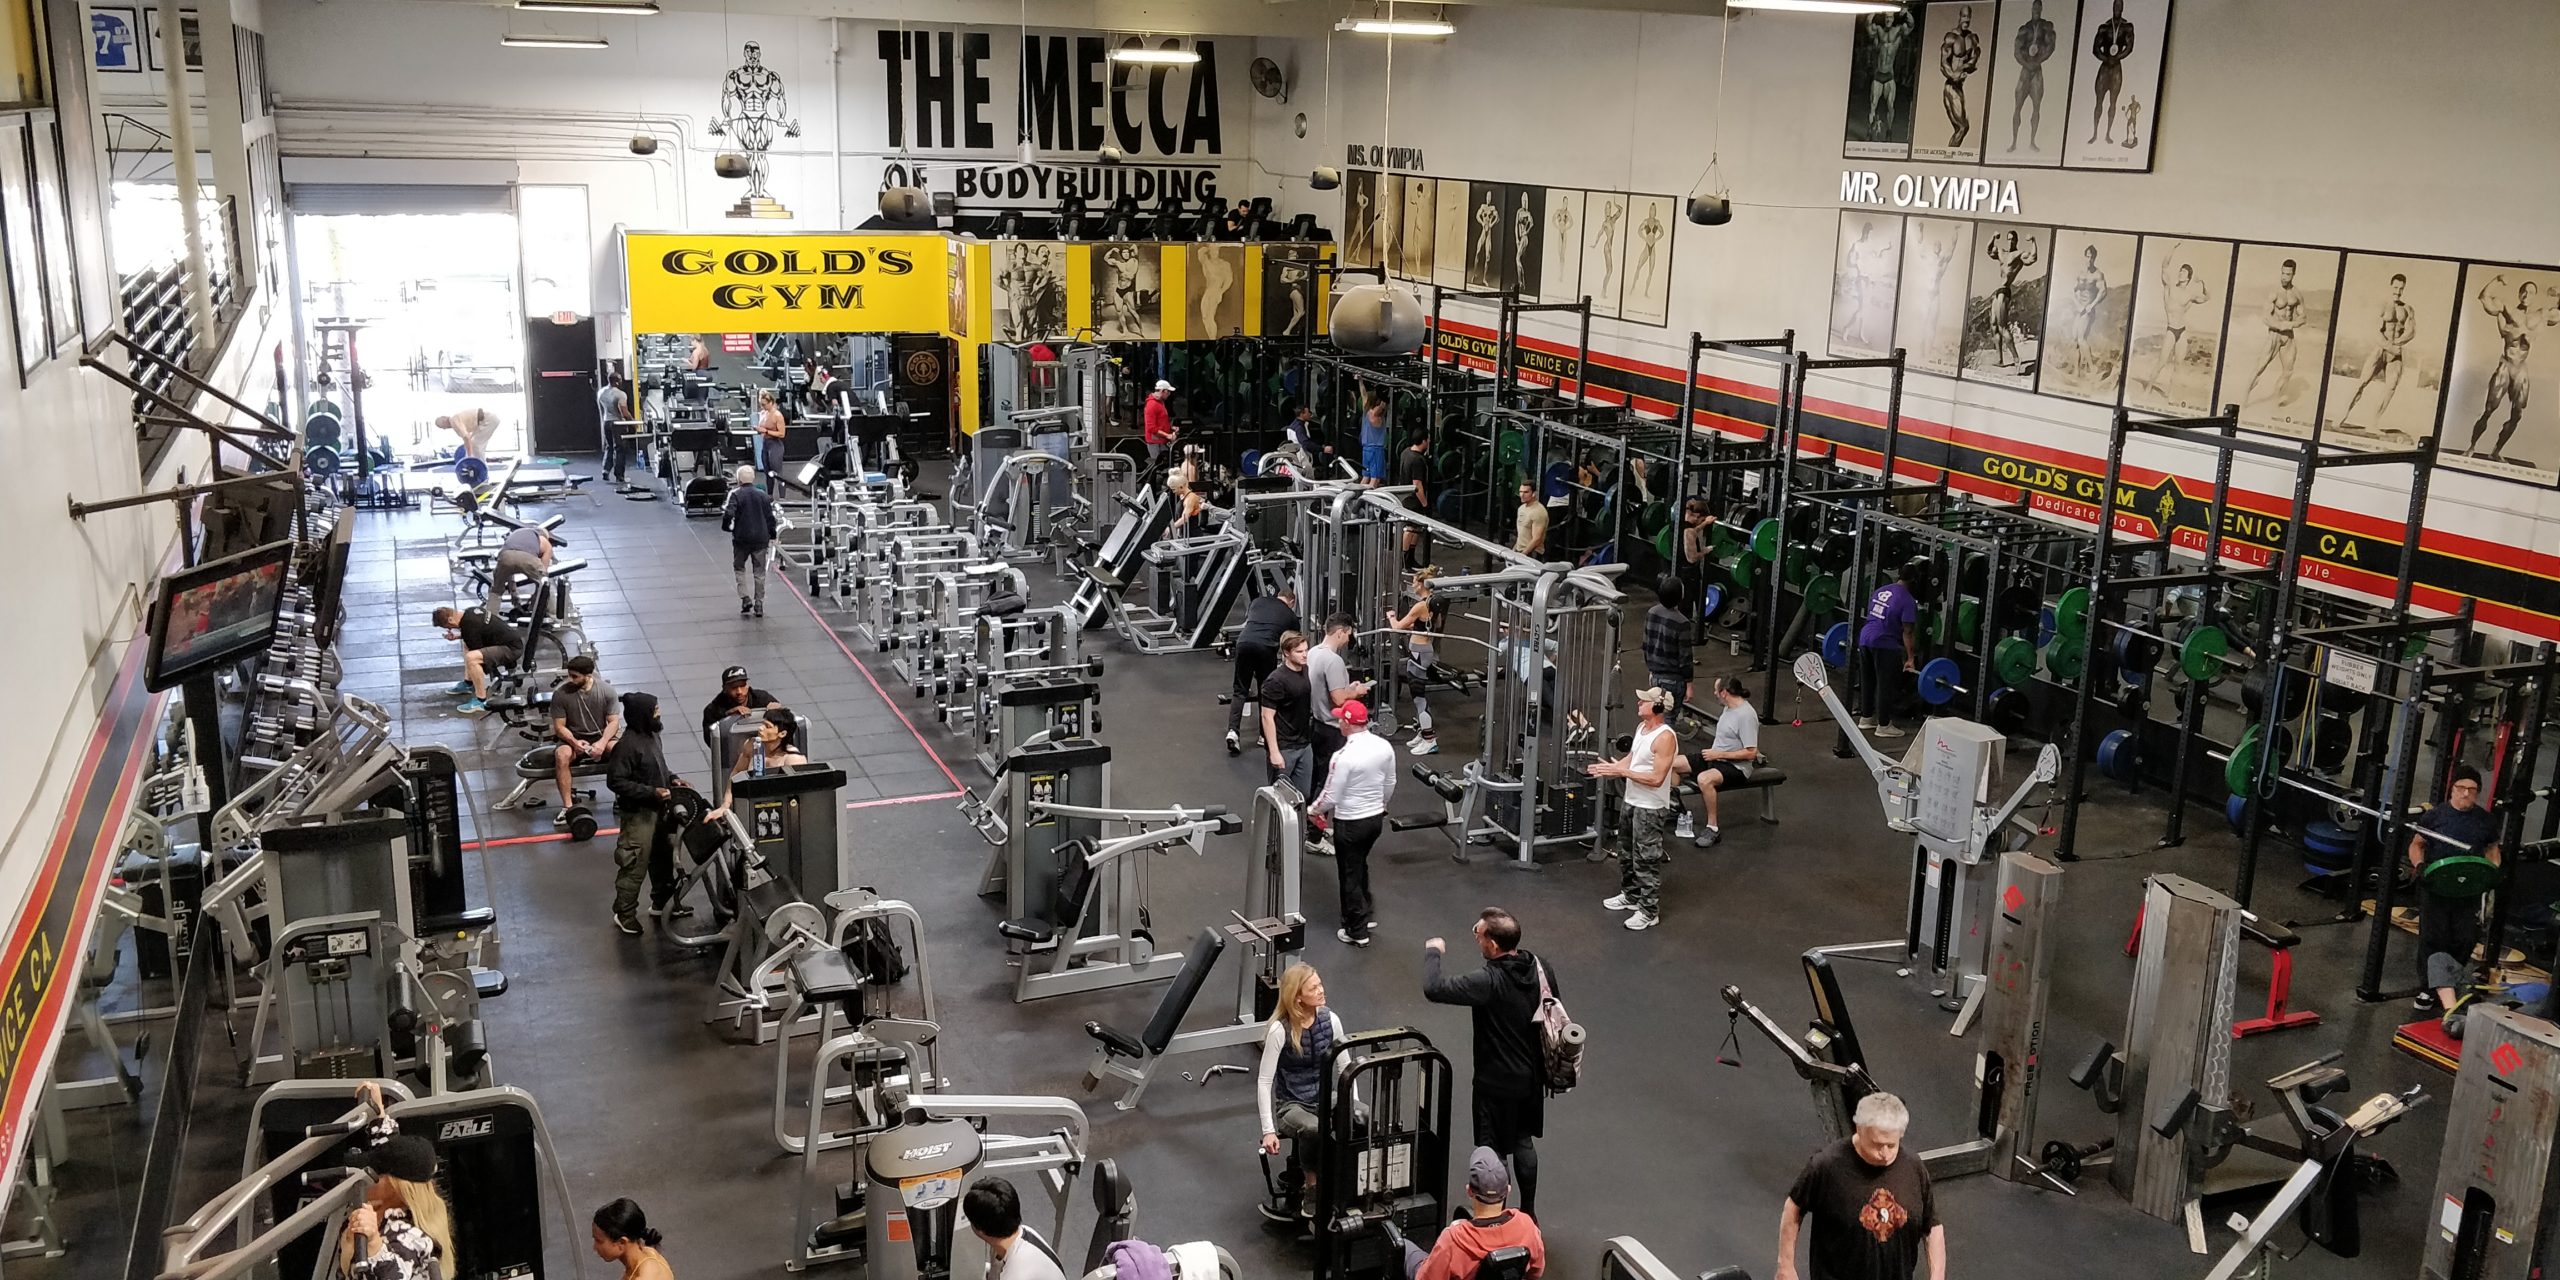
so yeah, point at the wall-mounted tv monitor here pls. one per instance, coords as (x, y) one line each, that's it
(330, 574)
(217, 612)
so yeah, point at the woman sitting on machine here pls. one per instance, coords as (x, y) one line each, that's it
(771, 748)
(1291, 1085)
(403, 1230)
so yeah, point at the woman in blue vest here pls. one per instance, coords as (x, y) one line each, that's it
(1302, 1033)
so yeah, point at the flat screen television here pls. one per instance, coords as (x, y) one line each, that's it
(217, 612)
(330, 573)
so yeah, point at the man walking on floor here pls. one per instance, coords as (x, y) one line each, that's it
(1510, 1084)
(1363, 781)
(749, 519)
(1647, 770)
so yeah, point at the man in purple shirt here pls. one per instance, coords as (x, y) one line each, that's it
(1887, 636)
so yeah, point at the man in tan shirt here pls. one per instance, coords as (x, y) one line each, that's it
(1530, 535)
(476, 427)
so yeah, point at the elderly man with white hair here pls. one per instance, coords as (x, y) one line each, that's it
(1869, 1201)
(749, 518)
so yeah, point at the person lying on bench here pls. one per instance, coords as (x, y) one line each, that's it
(1729, 760)
(586, 718)
(486, 643)
(1488, 1226)
(770, 749)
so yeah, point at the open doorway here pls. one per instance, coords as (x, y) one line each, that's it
(441, 322)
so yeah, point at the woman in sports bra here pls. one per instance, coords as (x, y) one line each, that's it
(1423, 619)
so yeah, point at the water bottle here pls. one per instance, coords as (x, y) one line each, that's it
(756, 768)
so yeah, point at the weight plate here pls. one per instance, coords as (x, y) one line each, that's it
(470, 470)
(1835, 551)
(2136, 655)
(2413, 646)
(2015, 607)
(2459, 876)
(1509, 447)
(2242, 768)
(2014, 661)
(2236, 812)
(1800, 567)
(2071, 611)
(1555, 481)
(2062, 659)
(2134, 704)
(1662, 542)
(1711, 603)
(1835, 645)
(2008, 711)
(1746, 570)
(1822, 594)
(2332, 739)
(2119, 755)
(1722, 538)
(1251, 462)
(1968, 621)
(2044, 626)
(2329, 840)
(1803, 524)
(1939, 681)
(2201, 656)
(321, 406)
(1653, 519)
(1973, 576)
(1764, 539)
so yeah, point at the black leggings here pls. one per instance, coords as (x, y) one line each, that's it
(1880, 699)
(1253, 663)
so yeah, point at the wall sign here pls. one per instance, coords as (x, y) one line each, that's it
(886, 283)
(1955, 192)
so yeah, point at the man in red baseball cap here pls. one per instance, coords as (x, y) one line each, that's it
(1356, 792)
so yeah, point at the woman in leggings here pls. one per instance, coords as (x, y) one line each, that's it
(1423, 619)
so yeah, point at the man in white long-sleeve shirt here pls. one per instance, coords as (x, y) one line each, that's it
(1363, 780)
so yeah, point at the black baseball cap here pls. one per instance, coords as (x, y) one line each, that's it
(404, 1156)
(733, 676)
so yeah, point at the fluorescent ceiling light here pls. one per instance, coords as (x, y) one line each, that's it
(642, 9)
(553, 42)
(1395, 26)
(1820, 6)
(1157, 57)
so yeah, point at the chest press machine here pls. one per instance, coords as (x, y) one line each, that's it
(1941, 793)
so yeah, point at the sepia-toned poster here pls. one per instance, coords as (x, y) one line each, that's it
(2088, 313)
(1213, 291)
(1488, 235)
(1866, 269)
(1884, 83)
(1029, 292)
(1288, 291)
(1560, 268)
(1360, 218)
(2031, 82)
(1929, 305)
(1604, 255)
(1948, 121)
(2178, 302)
(2282, 298)
(2386, 364)
(1420, 221)
(1390, 221)
(2004, 306)
(2502, 411)
(2115, 84)
(1449, 258)
(1647, 297)
(1128, 292)
(1524, 241)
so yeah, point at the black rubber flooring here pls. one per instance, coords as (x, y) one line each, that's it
(1660, 1143)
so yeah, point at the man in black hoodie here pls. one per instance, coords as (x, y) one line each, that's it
(749, 519)
(1510, 1059)
(636, 771)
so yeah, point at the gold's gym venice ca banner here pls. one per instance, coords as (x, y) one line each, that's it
(888, 283)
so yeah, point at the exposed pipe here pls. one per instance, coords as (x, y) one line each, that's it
(835, 110)
(182, 153)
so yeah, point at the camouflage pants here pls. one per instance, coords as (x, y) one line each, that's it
(1640, 868)
(639, 854)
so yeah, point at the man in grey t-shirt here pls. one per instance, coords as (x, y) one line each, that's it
(586, 717)
(1331, 685)
(1730, 759)
(526, 554)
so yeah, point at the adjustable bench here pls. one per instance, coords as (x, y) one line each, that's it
(1146, 1050)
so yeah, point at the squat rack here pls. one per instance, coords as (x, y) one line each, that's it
(2223, 434)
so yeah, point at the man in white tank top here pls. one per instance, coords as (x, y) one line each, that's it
(1647, 770)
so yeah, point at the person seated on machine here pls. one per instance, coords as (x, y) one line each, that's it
(586, 720)
(1422, 658)
(1490, 1224)
(486, 642)
(1014, 1251)
(2449, 928)
(737, 695)
(1187, 521)
(771, 748)
(403, 1230)
(1290, 1085)
(1729, 760)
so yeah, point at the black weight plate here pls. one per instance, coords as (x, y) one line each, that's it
(1974, 577)
(2007, 711)
(2016, 607)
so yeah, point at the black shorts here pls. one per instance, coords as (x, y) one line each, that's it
(497, 655)
(1503, 1121)
(1732, 771)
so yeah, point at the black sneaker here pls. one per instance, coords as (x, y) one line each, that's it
(2426, 1002)
(1284, 1214)
(2452, 1024)
(759, 610)
(674, 911)
(745, 607)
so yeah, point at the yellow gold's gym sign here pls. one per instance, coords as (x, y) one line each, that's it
(787, 283)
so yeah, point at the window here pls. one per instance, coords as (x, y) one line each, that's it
(553, 222)
(19, 246)
(21, 54)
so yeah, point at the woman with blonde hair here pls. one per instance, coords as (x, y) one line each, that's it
(1423, 620)
(402, 1231)
(1291, 1084)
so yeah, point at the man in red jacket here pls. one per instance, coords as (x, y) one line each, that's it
(1159, 424)
(1488, 1226)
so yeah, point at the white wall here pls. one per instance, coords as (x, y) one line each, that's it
(2361, 123)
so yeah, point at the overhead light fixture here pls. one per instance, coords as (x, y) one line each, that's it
(643, 9)
(1395, 26)
(1157, 57)
(1820, 6)
(554, 42)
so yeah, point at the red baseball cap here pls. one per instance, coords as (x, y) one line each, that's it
(1352, 713)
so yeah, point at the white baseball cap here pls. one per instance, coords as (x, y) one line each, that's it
(1162, 385)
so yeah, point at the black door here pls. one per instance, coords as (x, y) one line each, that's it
(561, 359)
(920, 389)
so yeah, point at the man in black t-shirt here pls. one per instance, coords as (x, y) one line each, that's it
(737, 694)
(1257, 652)
(1288, 707)
(486, 643)
(2449, 928)
(1413, 475)
(1869, 1201)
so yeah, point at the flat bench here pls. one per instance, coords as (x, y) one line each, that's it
(1764, 778)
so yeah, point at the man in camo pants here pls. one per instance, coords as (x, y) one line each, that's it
(1647, 768)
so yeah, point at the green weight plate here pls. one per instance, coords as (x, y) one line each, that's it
(1800, 567)
(2201, 656)
(1822, 594)
(2460, 876)
(2062, 657)
(2412, 647)
(1509, 447)
(2239, 771)
(2014, 661)
(1662, 542)
(325, 405)
(1654, 520)
(1722, 537)
(1746, 569)
(2071, 611)
(1968, 620)
(2074, 635)
(1764, 538)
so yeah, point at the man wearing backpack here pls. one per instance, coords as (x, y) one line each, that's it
(1510, 1080)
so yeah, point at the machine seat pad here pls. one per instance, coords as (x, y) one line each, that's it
(1027, 930)
(489, 984)
(459, 922)
(826, 974)
(1115, 1042)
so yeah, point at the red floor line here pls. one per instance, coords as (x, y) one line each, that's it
(546, 837)
(889, 800)
(930, 753)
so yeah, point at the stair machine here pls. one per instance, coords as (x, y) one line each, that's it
(1269, 932)
(1941, 793)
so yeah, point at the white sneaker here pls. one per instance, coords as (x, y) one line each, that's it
(1616, 902)
(1424, 746)
(1688, 826)
(1642, 920)
(1867, 722)
(1888, 731)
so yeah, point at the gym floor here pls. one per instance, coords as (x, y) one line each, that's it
(1660, 1143)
